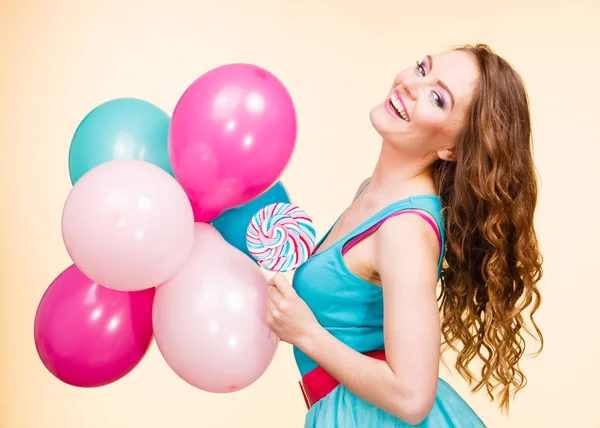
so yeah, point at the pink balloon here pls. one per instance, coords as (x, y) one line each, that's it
(128, 225)
(210, 319)
(232, 134)
(88, 335)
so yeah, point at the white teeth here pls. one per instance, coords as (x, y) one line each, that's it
(399, 107)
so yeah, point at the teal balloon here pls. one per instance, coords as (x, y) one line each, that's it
(233, 223)
(123, 128)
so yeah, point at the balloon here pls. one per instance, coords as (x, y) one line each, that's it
(232, 134)
(128, 225)
(233, 223)
(123, 128)
(88, 335)
(209, 320)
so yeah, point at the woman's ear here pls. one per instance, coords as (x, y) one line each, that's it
(447, 154)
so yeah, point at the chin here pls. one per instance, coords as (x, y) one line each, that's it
(387, 127)
(380, 119)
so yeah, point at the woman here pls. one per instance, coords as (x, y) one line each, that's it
(456, 141)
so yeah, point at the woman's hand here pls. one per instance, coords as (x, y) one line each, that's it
(288, 316)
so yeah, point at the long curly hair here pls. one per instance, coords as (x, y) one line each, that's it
(492, 260)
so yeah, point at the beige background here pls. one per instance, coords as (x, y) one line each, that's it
(59, 59)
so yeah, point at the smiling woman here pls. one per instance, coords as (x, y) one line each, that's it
(396, 103)
(456, 162)
(421, 111)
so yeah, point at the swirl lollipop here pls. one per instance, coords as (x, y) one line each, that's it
(280, 237)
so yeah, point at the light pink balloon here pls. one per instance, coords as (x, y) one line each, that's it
(128, 225)
(209, 320)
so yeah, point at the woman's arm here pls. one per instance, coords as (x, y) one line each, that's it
(405, 385)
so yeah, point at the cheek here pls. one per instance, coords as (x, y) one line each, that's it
(434, 124)
(429, 118)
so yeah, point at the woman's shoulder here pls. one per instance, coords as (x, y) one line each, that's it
(363, 184)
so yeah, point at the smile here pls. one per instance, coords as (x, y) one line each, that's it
(396, 106)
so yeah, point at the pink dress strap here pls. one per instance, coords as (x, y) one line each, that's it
(370, 230)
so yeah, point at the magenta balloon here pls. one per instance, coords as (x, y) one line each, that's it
(210, 318)
(232, 134)
(88, 335)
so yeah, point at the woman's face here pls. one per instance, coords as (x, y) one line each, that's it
(426, 106)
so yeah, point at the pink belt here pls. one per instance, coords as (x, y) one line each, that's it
(317, 383)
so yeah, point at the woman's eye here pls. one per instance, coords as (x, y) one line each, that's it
(437, 99)
(420, 69)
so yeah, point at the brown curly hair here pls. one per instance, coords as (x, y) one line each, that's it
(492, 260)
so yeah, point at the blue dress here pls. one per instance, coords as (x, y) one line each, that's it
(351, 309)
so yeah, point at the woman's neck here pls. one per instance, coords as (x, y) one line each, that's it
(397, 174)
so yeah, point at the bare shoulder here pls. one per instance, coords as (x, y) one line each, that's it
(406, 243)
(362, 185)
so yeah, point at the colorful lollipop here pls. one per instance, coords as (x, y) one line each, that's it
(281, 237)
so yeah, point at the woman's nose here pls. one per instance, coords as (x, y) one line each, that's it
(409, 89)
